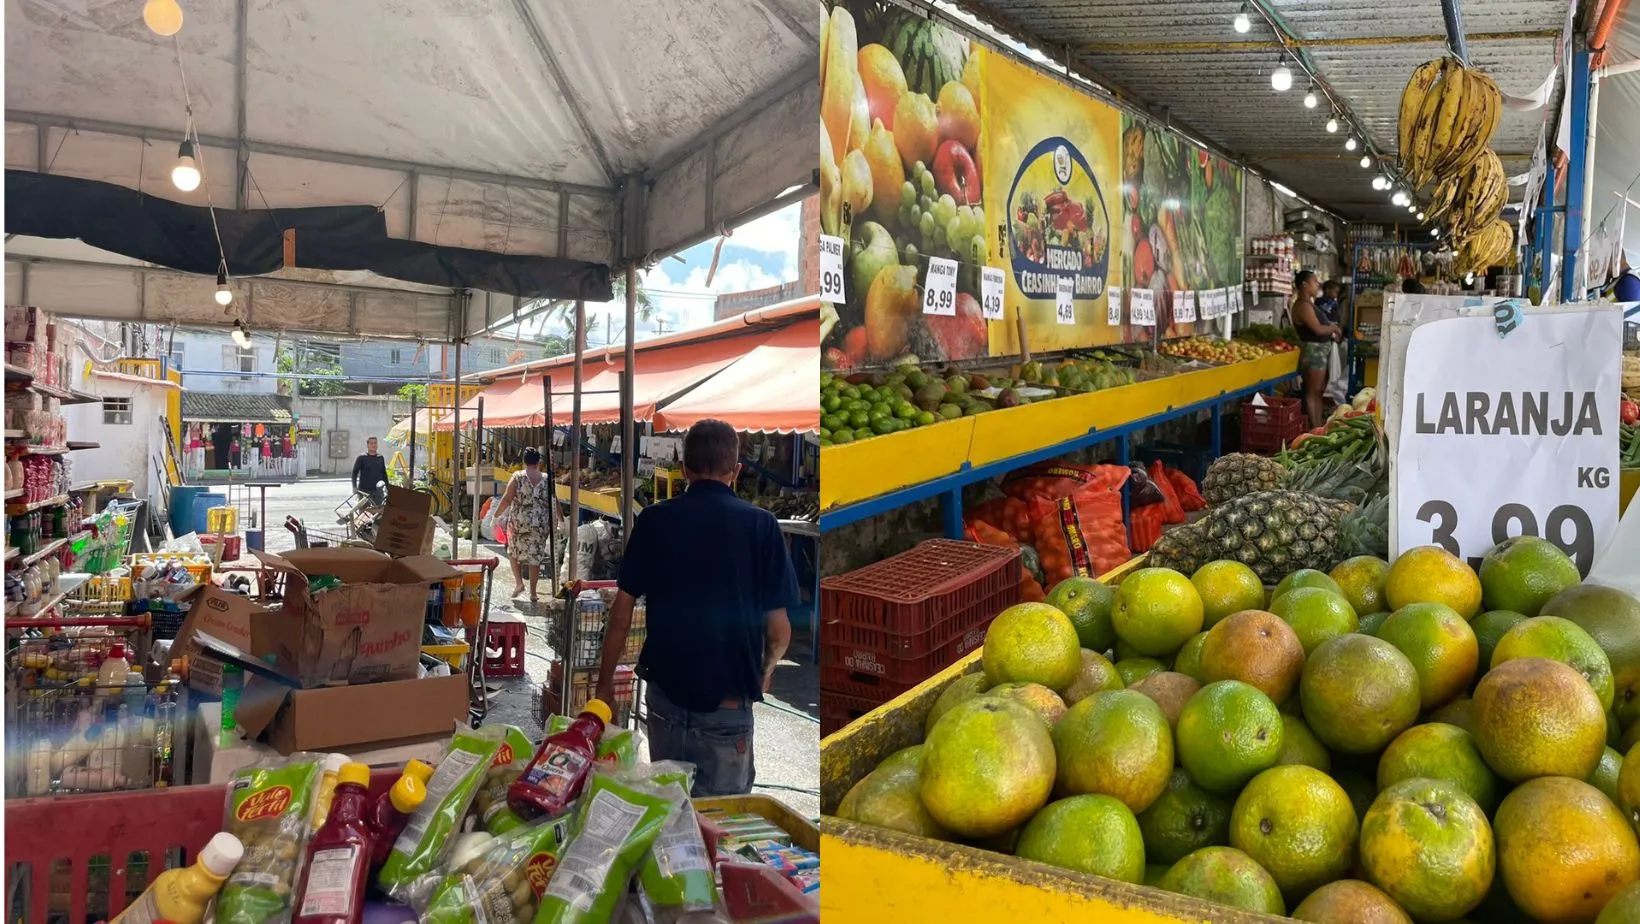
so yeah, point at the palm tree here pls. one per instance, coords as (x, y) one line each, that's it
(562, 311)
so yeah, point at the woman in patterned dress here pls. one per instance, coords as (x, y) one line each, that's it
(526, 505)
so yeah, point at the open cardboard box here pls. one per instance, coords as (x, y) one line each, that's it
(406, 526)
(368, 630)
(338, 718)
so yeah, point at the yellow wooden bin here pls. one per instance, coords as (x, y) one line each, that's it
(876, 875)
(1628, 483)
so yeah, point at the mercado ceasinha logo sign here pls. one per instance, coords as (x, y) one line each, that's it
(1058, 225)
(1508, 432)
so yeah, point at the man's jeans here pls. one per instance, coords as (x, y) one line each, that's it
(718, 743)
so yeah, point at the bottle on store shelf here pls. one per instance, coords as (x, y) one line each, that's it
(232, 677)
(555, 775)
(136, 693)
(338, 867)
(391, 813)
(181, 895)
(327, 788)
(114, 668)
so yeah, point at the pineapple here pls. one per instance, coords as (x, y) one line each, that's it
(1276, 533)
(1239, 474)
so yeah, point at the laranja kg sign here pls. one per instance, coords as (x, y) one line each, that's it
(1505, 433)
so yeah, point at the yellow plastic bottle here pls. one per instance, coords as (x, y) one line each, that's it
(327, 788)
(181, 895)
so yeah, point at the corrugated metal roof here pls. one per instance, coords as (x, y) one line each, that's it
(233, 408)
(1184, 59)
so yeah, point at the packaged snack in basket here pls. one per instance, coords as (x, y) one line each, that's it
(490, 804)
(677, 873)
(616, 823)
(408, 875)
(270, 810)
(618, 747)
(505, 882)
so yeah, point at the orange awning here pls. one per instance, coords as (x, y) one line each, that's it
(774, 388)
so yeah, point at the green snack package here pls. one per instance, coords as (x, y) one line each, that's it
(268, 810)
(677, 872)
(615, 826)
(490, 804)
(408, 875)
(618, 748)
(504, 883)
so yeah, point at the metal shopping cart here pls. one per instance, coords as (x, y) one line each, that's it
(308, 537)
(82, 737)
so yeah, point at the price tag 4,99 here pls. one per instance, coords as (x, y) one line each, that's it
(1065, 300)
(1184, 307)
(990, 293)
(831, 269)
(1113, 308)
(940, 287)
(1143, 308)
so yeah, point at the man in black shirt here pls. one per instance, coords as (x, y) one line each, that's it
(369, 469)
(718, 582)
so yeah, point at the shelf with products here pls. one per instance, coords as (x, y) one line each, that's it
(45, 607)
(15, 509)
(42, 552)
(873, 476)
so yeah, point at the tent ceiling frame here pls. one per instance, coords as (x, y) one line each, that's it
(241, 93)
(1353, 41)
(787, 21)
(564, 87)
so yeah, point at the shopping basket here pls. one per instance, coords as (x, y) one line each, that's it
(84, 737)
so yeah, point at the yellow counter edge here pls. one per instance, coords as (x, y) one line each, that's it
(872, 874)
(859, 471)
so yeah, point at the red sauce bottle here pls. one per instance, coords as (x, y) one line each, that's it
(338, 858)
(555, 775)
(391, 813)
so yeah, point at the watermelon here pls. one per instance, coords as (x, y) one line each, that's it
(930, 54)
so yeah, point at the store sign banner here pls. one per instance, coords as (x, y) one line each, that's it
(1065, 301)
(1499, 436)
(1143, 307)
(1216, 304)
(1184, 307)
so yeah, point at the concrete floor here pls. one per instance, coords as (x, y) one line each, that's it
(787, 723)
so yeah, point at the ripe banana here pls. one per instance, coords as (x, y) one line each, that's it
(1413, 96)
(1472, 197)
(1448, 115)
(1490, 246)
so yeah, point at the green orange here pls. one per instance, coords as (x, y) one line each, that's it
(1361, 581)
(1225, 876)
(1087, 602)
(1095, 675)
(1188, 661)
(1440, 645)
(1624, 908)
(967, 686)
(1559, 640)
(1227, 587)
(1087, 833)
(987, 767)
(1299, 745)
(1184, 818)
(1116, 743)
(1490, 627)
(1535, 717)
(1157, 610)
(1608, 774)
(1170, 690)
(1429, 846)
(1525, 572)
(1438, 751)
(1305, 577)
(1431, 574)
(1350, 901)
(1032, 643)
(1316, 615)
(1298, 824)
(1358, 692)
(1133, 670)
(1257, 648)
(1228, 733)
(1564, 850)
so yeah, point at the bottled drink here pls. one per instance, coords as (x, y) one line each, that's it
(181, 895)
(338, 859)
(555, 775)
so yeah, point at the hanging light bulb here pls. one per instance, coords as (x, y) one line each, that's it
(1332, 125)
(224, 295)
(164, 17)
(1241, 22)
(1309, 98)
(1420, 216)
(1366, 162)
(241, 336)
(1383, 181)
(1434, 232)
(1282, 78)
(185, 175)
(1398, 198)
(1350, 143)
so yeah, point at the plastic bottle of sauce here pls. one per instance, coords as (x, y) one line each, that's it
(555, 775)
(327, 788)
(181, 895)
(392, 811)
(338, 860)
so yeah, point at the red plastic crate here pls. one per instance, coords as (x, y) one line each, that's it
(923, 597)
(861, 671)
(1268, 428)
(977, 614)
(508, 634)
(837, 710)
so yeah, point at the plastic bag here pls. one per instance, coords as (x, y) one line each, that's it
(1082, 533)
(617, 822)
(677, 873)
(1142, 492)
(1172, 512)
(505, 882)
(269, 808)
(1056, 479)
(490, 802)
(408, 875)
(617, 749)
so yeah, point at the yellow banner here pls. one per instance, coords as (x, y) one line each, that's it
(1052, 168)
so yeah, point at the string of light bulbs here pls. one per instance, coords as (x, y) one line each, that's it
(164, 18)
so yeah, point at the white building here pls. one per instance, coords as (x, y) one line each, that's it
(211, 362)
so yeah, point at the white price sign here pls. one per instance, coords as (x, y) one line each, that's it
(1215, 303)
(991, 287)
(1113, 308)
(1235, 300)
(1184, 307)
(1142, 310)
(1503, 437)
(940, 287)
(831, 269)
(1065, 300)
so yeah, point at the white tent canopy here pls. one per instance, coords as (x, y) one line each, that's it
(510, 126)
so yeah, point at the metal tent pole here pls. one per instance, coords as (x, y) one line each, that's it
(478, 480)
(455, 460)
(629, 440)
(567, 656)
(410, 482)
(552, 482)
(1577, 168)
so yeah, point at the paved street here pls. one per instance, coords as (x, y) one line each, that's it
(788, 730)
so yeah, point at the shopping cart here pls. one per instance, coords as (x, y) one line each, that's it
(309, 538)
(49, 654)
(472, 612)
(83, 737)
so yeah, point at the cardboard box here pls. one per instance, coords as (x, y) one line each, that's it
(215, 761)
(225, 617)
(341, 718)
(406, 526)
(368, 630)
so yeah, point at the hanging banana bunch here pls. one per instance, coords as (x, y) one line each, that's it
(1470, 198)
(1490, 246)
(1448, 115)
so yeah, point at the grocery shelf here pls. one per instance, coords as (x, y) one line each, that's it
(79, 397)
(42, 552)
(57, 501)
(870, 477)
(15, 434)
(602, 501)
(25, 621)
(52, 390)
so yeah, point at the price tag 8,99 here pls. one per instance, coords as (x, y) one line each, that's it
(1184, 307)
(1143, 307)
(990, 293)
(940, 287)
(831, 269)
(1065, 300)
(1113, 308)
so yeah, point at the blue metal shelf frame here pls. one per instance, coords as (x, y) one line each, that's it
(949, 488)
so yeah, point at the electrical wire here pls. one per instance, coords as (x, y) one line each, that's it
(191, 131)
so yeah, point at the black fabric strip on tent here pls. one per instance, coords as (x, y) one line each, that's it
(348, 237)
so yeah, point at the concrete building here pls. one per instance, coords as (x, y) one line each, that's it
(379, 367)
(212, 362)
(334, 430)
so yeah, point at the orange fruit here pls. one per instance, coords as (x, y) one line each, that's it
(1628, 786)
(1184, 818)
(1087, 601)
(1490, 627)
(1228, 733)
(1316, 615)
(1225, 876)
(1440, 645)
(1035, 697)
(1459, 712)
(1227, 587)
(1438, 751)
(1350, 901)
(1607, 775)
(1523, 573)
(1428, 845)
(1358, 692)
(1299, 745)
(1133, 670)
(1257, 648)
(1361, 581)
(1298, 824)
(1032, 643)
(1559, 640)
(1189, 659)
(987, 767)
(1536, 717)
(1612, 619)
(1170, 691)
(1157, 610)
(1096, 674)
(1305, 577)
(967, 686)
(1624, 908)
(887, 798)
(1431, 574)
(1116, 743)
(1087, 833)
(1370, 623)
(1564, 851)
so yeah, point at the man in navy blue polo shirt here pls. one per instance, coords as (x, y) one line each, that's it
(718, 581)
